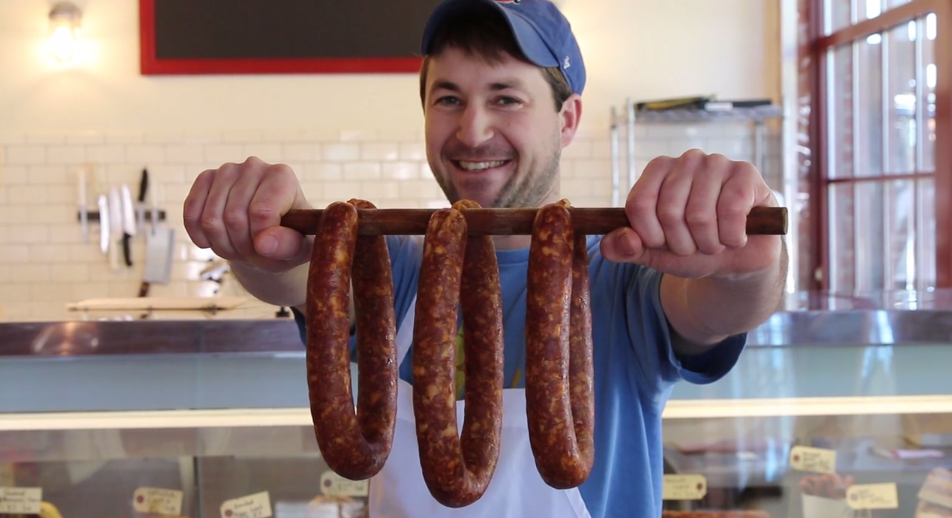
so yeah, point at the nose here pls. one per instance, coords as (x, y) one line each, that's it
(475, 126)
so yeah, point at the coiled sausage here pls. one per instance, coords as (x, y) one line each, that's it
(559, 387)
(457, 272)
(357, 444)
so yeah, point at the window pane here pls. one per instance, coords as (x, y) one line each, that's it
(900, 48)
(867, 9)
(895, 3)
(901, 247)
(838, 15)
(927, 79)
(925, 251)
(840, 111)
(869, 236)
(841, 238)
(869, 107)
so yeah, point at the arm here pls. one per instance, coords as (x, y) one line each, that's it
(281, 289)
(236, 211)
(688, 220)
(704, 312)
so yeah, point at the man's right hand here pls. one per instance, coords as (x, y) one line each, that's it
(236, 211)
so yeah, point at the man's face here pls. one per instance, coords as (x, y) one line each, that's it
(492, 132)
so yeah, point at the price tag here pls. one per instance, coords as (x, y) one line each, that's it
(817, 460)
(872, 496)
(333, 484)
(934, 489)
(257, 505)
(153, 500)
(684, 487)
(20, 500)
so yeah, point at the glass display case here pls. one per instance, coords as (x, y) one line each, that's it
(832, 411)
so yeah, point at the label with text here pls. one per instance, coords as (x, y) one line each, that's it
(333, 484)
(20, 500)
(684, 487)
(817, 460)
(872, 496)
(257, 505)
(153, 500)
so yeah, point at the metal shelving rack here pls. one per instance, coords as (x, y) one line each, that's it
(756, 116)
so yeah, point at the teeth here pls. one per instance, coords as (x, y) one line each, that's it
(479, 166)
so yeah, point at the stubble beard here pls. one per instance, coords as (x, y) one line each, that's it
(527, 190)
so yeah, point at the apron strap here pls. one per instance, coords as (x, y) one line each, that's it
(405, 332)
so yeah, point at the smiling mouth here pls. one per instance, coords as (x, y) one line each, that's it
(476, 167)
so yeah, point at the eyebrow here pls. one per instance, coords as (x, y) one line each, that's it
(497, 86)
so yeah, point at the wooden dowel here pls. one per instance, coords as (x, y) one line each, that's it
(504, 222)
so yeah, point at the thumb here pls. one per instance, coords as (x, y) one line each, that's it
(623, 245)
(282, 244)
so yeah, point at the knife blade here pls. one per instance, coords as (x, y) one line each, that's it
(128, 223)
(115, 226)
(104, 223)
(143, 187)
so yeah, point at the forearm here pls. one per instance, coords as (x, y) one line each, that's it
(703, 312)
(281, 289)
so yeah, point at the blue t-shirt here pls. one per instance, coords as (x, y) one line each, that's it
(634, 367)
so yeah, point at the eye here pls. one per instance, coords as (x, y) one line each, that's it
(447, 100)
(508, 101)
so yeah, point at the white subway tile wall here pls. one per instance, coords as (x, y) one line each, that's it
(45, 264)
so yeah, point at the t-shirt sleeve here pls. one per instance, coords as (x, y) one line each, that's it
(652, 342)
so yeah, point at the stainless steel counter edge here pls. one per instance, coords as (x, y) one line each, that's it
(281, 336)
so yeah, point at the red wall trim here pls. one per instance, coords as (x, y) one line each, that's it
(151, 65)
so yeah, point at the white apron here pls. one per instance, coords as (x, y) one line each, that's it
(516, 490)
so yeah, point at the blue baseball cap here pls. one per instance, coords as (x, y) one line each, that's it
(540, 29)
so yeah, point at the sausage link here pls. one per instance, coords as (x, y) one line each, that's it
(457, 470)
(560, 444)
(483, 352)
(581, 367)
(355, 448)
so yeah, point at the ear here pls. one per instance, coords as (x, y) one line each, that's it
(570, 115)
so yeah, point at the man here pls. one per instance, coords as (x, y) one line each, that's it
(673, 295)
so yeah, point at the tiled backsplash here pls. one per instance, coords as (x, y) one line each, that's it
(45, 264)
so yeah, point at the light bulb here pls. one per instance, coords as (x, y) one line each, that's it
(64, 20)
(62, 43)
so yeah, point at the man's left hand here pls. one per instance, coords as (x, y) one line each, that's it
(688, 218)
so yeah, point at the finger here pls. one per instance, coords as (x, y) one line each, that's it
(735, 201)
(275, 196)
(282, 244)
(278, 193)
(700, 213)
(213, 213)
(642, 203)
(672, 200)
(194, 206)
(235, 215)
(622, 245)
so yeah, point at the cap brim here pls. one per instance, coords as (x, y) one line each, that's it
(531, 44)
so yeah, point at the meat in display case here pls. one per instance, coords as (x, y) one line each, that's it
(832, 412)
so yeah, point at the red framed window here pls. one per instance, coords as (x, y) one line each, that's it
(875, 90)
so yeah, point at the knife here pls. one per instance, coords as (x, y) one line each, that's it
(83, 212)
(128, 223)
(143, 187)
(115, 226)
(104, 224)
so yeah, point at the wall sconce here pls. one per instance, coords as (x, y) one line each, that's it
(64, 22)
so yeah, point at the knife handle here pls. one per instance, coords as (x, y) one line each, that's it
(126, 253)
